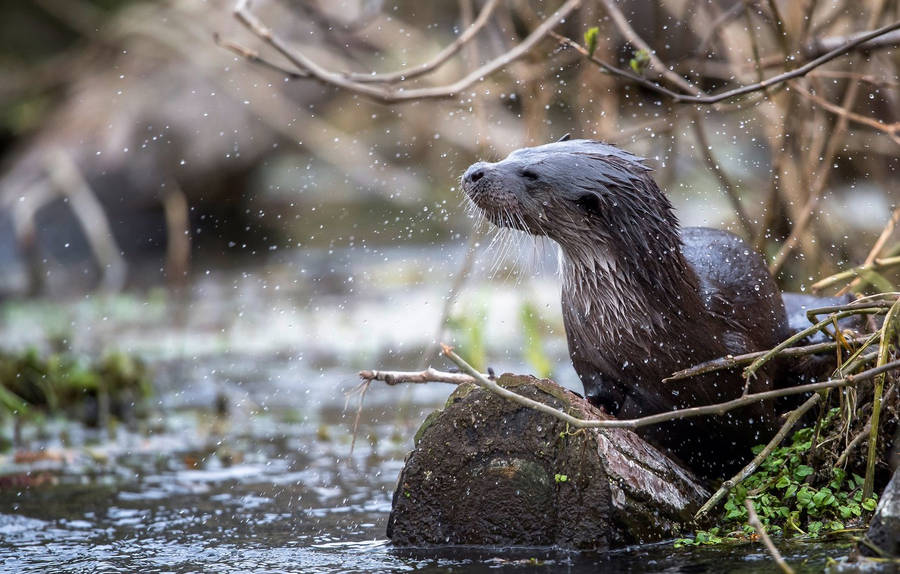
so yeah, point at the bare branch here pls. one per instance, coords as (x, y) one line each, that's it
(738, 360)
(716, 409)
(753, 519)
(892, 130)
(253, 57)
(740, 91)
(713, 165)
(821, 46)
(439, 59)
(429, 375)
(388, 94)
(750, 371)
(876, 265)
(70, 182)
(860, 436)
(876, 249)
(628, 32)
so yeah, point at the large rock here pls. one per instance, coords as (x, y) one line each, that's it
(884, 530)
(487, 471)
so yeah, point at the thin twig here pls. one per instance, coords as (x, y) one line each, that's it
(892, 130)
(428, 375)
(253, 57)
(753, 520)
(730, 361)
(438, 60)
(839, 463)
(390, 94)
(876, 265)
(628, 32)
(742, 90)
(876, 249)
(877, 301)
(835, 140)
(715, 409)
(759, 458)
(750, 371)
(730, 191)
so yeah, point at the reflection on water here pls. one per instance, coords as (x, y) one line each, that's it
(246, 463)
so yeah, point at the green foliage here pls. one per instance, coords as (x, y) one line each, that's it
(60, 384)
(468, 331)
(590, 40)
(640, 62)
(704, 538)
(532, 328)
(561, 478)
(791, 497)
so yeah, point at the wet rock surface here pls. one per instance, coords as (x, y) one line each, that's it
(487, 471)
(884, 530)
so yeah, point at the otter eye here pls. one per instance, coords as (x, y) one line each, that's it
(528, 174)
(590, 202)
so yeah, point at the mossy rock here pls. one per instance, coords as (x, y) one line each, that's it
(488, 471)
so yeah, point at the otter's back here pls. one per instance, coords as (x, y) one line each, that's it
(736, 288)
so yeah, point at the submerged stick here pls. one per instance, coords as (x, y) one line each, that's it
(754, 521)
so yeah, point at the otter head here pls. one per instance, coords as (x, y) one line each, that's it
(573, 191)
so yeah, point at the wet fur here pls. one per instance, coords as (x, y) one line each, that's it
(642, 299)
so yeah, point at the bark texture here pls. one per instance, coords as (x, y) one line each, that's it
(487, 471)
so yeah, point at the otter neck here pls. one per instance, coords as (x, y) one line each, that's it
(619, 293)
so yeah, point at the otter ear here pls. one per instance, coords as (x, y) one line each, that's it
(565, 138)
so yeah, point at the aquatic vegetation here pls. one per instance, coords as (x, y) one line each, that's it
(58, 384)
(792, 495)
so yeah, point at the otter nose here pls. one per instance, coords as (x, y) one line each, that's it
(475, 172)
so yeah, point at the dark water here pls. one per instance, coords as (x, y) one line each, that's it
(270, 484)
(272, 492)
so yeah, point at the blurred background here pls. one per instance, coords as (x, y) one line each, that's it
(187, 212)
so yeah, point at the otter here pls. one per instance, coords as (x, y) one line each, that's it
(641, 297)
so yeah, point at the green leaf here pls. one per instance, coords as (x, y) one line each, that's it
(640, 61)
(590, 40)
(783, 482)
(735, 513)
(803, 471)
(869, 504)
(821, 497)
